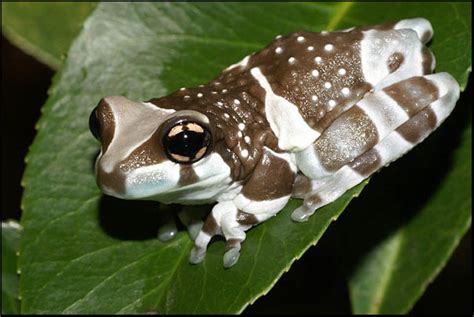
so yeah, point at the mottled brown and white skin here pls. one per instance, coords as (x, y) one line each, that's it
(309, 116)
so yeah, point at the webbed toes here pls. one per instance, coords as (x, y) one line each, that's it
(197, 255)
(231, 257)
(167, 231)
(301, 214)
(194, 229)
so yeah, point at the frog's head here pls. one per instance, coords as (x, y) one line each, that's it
(152, 153)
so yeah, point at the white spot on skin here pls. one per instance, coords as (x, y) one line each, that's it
(224, 91)
(239, 134)
(241, 126)
(278, 50)
(315, 73)
(220, 104)
(182, 88)
(300, 39)
(199, 95)
(345, 91)
(318, 59)
(247, 139)
(314, 97)
(331, 104)
(328, 47)
(341, 71)
(226, 115)
(236, 101)
(278, 36)
(327, 85)
(291, 60)
(214, 92)
(244, 153)
(310, 48)
(186, 97)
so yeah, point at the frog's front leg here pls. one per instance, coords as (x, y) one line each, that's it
(380, 128)
(263, 196)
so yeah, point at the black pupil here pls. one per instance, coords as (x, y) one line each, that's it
(94, 125)
(187, 143)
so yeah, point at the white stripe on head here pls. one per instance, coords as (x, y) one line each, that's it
(132, 127)
(161, 181)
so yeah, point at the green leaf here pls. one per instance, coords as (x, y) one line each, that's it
(44, 30)
(399, 268)
(83, 252)
(10, 279)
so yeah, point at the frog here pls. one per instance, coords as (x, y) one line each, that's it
(309, 116)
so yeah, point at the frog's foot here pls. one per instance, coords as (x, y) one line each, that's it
(232, 252)
(226, 220)
(191, 217)
(210, 228)
(167, 231)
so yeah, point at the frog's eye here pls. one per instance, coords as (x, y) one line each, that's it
(186, 142)
(94, 124)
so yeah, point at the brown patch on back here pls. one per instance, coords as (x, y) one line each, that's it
(367, 163)
(419, 126)
(347, 137)
(245, 218)
(296, 82)
(394, 61)
(187, 175)
(413, 94)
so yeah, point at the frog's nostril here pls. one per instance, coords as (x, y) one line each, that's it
(94, 124)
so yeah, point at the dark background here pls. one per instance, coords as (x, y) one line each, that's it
(25, 82)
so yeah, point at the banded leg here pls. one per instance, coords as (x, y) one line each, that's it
(426, 101)
(263, 196)
(225, 219)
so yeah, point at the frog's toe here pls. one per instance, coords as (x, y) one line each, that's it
(167, 231)
(231, 257)
(194, 229)
(301, 214)
(197, 255)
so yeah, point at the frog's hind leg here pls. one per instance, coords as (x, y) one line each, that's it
(346, 153)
